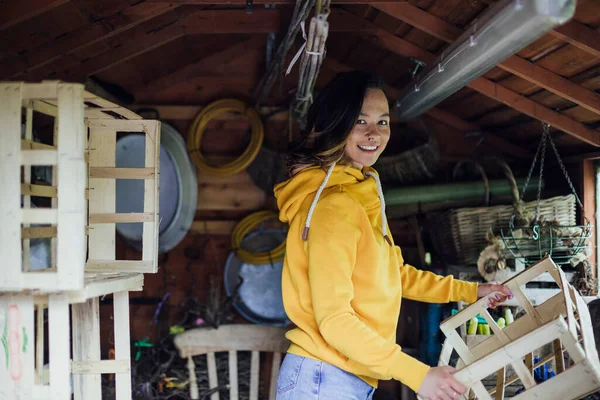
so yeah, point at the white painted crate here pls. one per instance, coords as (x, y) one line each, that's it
(22, 372)
(562, 321)
(82, 191)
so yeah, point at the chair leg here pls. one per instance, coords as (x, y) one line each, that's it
(193, 380)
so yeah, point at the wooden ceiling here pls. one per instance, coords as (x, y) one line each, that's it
(195, 51)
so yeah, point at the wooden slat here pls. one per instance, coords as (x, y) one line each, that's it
(86, 349)
(261, 2)
(213, 227)
(500, 378)
(491, 89)
(31, 145)
(254, 371)
(537, 75)
(28, 189)
(111, 266)
(59, 337)
(122, 346)
(77, 39)
(15, 12)
(580, 36)
(38, 232)
(113, 218)
(150, 231)
(97, 367)
(102, 193)
(10, 176)
(40, 328)
(122, 173)
(237, 192)
(202, 67)
(71, 240)
(38, 216)
(39, 157)
(26, 196)
(233, 376)
(213, 381)
(121, 125)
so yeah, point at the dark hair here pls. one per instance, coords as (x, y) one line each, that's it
(330, 120)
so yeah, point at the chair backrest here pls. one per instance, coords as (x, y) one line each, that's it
(231, 339)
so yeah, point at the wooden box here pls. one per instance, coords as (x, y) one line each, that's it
(80, 197)
(563, 322)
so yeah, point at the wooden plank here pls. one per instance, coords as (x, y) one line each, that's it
(580, 36)
(28, 189)
(102, 193)
(150, 230)
(17, 377)
(15, 12)
(27, 197)
(537, 75)
(204, 66)
(97, 367)
(121, 125)
(111, 266)
(115, 218)
(231, 193)
(86, 349)
(254, 370)
(122, 173)
(588, 191)
(40, 329)
(80, 38)
(27, 144)
(274, 374)
(59, 338)
(213, 227)
(38, 232)
(71, 174)
(39, 157)
(261, 2)
(38, 216)
(10, 179)
(122, 348)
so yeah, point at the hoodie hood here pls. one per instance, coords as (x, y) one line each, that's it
(311, 182)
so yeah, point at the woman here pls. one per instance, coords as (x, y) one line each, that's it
(343, 277)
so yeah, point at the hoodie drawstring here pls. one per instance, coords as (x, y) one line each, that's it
(314, 203)
(320, 190)
(382, 205)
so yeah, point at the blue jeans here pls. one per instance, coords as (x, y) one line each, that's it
(302, 378)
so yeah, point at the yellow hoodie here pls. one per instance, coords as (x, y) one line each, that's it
(343, 285)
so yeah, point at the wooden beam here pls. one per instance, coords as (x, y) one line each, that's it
(200, 68)
(14, 12)
(449, 120)
(580, 36)
(516, 65)
(588, 197)
(85, 36)
(489, 88)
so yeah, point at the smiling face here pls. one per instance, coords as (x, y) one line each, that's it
(371, 132)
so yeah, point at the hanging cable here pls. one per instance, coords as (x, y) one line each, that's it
(243, 228)
(213, 110)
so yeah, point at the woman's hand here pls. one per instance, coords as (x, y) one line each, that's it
(503, 293)
(439, 384)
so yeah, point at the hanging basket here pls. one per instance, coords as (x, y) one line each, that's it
(459, 235)
(529, 242)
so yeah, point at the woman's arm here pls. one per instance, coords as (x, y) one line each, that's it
(432, 288)
(332, 246)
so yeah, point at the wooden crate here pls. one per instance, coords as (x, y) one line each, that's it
(22, 372)
(562, 321)
(81, 197)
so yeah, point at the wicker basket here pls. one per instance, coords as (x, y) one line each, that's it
(459, 235)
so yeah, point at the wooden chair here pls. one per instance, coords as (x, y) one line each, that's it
(231, 339)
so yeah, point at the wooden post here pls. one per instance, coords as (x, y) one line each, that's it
(122, 348)
(588, 198)
(86, 346)
(59, 335)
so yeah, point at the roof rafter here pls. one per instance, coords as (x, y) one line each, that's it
(488, 88)
(516, 65)
(580, 36)
(14, 12)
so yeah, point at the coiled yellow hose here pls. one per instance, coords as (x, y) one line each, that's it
(244, 227)
(194, 137)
